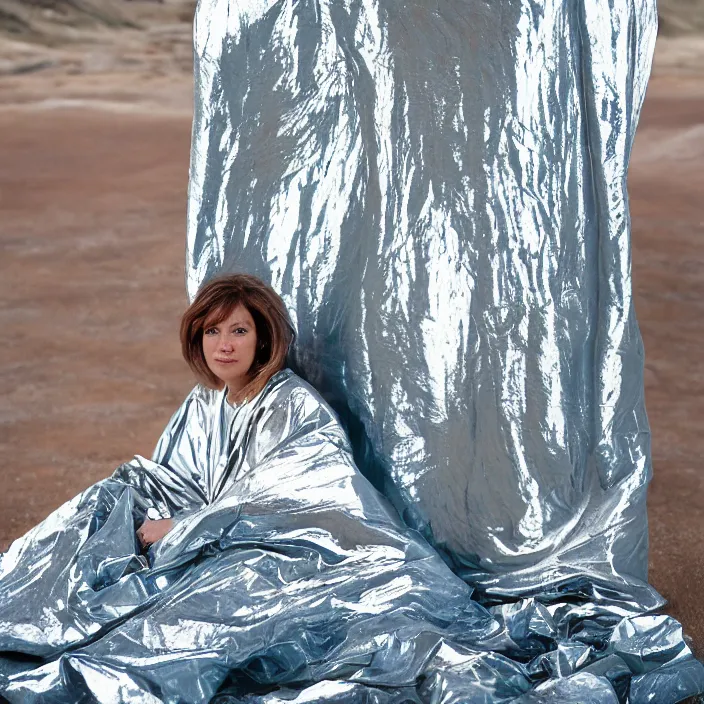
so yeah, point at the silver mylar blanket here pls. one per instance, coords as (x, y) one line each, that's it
(437, 188)
(287, 577)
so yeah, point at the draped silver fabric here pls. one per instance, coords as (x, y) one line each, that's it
(287, 577)
(438, 191)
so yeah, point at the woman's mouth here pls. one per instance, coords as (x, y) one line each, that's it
(225, 361)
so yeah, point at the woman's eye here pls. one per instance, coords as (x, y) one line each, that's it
(241, 330)
(211, 331)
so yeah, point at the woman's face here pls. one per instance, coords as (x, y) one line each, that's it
(230, 347)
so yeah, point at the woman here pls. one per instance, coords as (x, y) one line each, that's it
(269, 559)
(235, 337)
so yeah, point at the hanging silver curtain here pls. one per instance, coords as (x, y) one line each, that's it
(438, 191)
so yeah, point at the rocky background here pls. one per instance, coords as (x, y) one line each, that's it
(130, 53)
(95, 113)
(88, 36)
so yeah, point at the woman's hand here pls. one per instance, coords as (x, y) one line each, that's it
(151, 531)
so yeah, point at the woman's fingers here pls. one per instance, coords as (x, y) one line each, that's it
(151, 531)
(143, 533)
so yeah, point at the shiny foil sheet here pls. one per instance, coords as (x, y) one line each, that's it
(438, 192)
(288, 578)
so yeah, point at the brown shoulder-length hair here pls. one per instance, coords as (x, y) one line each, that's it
(213, 303)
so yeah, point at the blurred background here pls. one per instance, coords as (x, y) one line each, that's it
(95, 118)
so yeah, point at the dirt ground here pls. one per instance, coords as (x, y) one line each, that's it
(666, 185)
(93, 180)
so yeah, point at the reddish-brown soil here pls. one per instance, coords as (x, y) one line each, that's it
(91, 287)
(666, 184)
(92, 233)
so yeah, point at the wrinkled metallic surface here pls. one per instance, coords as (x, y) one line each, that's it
(287, 577)
(437, 189)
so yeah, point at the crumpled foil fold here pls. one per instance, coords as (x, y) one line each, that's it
(288, 577)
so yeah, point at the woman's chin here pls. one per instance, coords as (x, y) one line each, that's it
(226, 373)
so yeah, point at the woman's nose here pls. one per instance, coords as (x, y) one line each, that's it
(226, 345)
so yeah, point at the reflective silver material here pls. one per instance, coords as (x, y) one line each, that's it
(438, 192)
(286, 577)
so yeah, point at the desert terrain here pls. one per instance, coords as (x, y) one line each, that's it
(95, 118)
